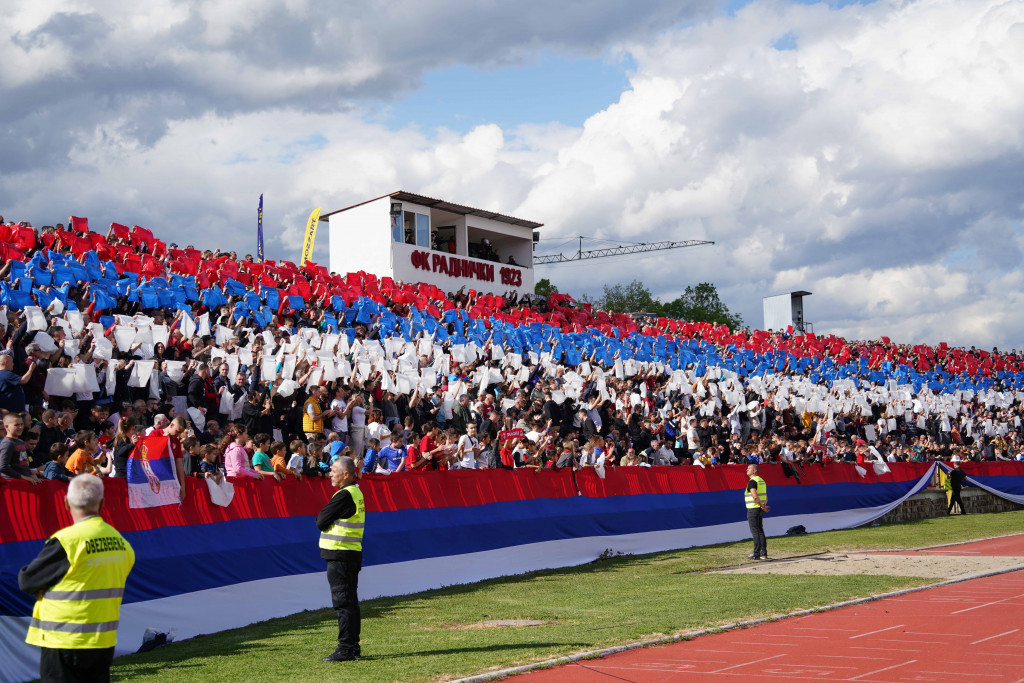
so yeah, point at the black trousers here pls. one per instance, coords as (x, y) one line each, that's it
(955, 499)
(75, 666)
(343, 575)
(755, 518)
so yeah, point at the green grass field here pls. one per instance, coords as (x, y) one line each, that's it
(433, 635)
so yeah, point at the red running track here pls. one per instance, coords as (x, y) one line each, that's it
(968, 631)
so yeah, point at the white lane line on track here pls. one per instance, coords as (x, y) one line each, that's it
(881, 630)
(738, 666)
(987, 604)
(996, 636)
(888, 668)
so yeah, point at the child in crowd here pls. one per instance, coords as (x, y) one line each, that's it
(317, 464)
(277, 451)
(82, 461)
(55, 469)
(236, 459)
(370, 458)
(261, 459)
(106, 435)
(208, 467)
(191, 447)
(297, 461)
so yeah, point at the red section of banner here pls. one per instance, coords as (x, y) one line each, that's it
(992, 469)
(631, 481)
(36, 512)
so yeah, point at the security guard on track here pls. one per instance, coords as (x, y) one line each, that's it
(78, 579)
(341, 544)
(756, 497)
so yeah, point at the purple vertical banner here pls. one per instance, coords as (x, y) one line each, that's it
(259, 232)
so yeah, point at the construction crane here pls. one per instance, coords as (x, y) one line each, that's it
(635, 248)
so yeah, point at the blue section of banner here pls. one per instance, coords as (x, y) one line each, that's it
(1002, 484)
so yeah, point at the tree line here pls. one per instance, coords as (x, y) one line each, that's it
(698, 303)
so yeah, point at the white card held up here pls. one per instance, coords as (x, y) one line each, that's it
(123, 337)
(75, 320)
(268, 370)
(176, 370)
(60, 382)
(141, 373)
(34, 318)
(45, 341)
(85, 378)
(188, 326)
(203, 325)
(160, 334)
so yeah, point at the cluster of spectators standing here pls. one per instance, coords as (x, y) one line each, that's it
(228, 420)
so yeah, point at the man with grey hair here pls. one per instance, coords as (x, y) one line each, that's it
(160, 421)
(78, 580)
(341, 544)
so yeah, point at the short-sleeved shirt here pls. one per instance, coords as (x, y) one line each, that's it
(338, 423)
(80, 460)
(208, 467)
(12, 396)
(394, 456)
(261, 462)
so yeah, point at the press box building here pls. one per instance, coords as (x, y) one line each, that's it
(413, 238)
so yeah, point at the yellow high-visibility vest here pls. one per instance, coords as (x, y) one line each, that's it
(347, 534)
(81, 611)
(762, 493)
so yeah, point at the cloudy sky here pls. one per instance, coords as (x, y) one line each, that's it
(870, 153)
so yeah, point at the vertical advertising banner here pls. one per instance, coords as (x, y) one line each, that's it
(307, 242)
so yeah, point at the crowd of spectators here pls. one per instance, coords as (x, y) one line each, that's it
(280, 390)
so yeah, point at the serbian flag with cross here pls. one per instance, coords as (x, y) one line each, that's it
(152, 481)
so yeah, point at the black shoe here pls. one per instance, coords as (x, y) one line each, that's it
(751, 557)
(339, 657)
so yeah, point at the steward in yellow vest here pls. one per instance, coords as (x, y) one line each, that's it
(78, 579)
(341, 544)
(756, 498)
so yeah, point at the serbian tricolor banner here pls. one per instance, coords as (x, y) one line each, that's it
(1001, 478)
(152, 481)
(423, 530)
(307, 242)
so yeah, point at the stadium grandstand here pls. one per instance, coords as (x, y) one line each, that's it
(562, 429)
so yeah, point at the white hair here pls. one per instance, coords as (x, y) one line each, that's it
(85, 492)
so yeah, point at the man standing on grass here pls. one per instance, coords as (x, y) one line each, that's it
(341, 544)
(956, 482)
(78, 580)
(756, 497)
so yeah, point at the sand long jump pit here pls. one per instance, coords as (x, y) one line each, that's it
(928, 563)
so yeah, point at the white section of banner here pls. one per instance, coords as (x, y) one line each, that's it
(218, 609)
